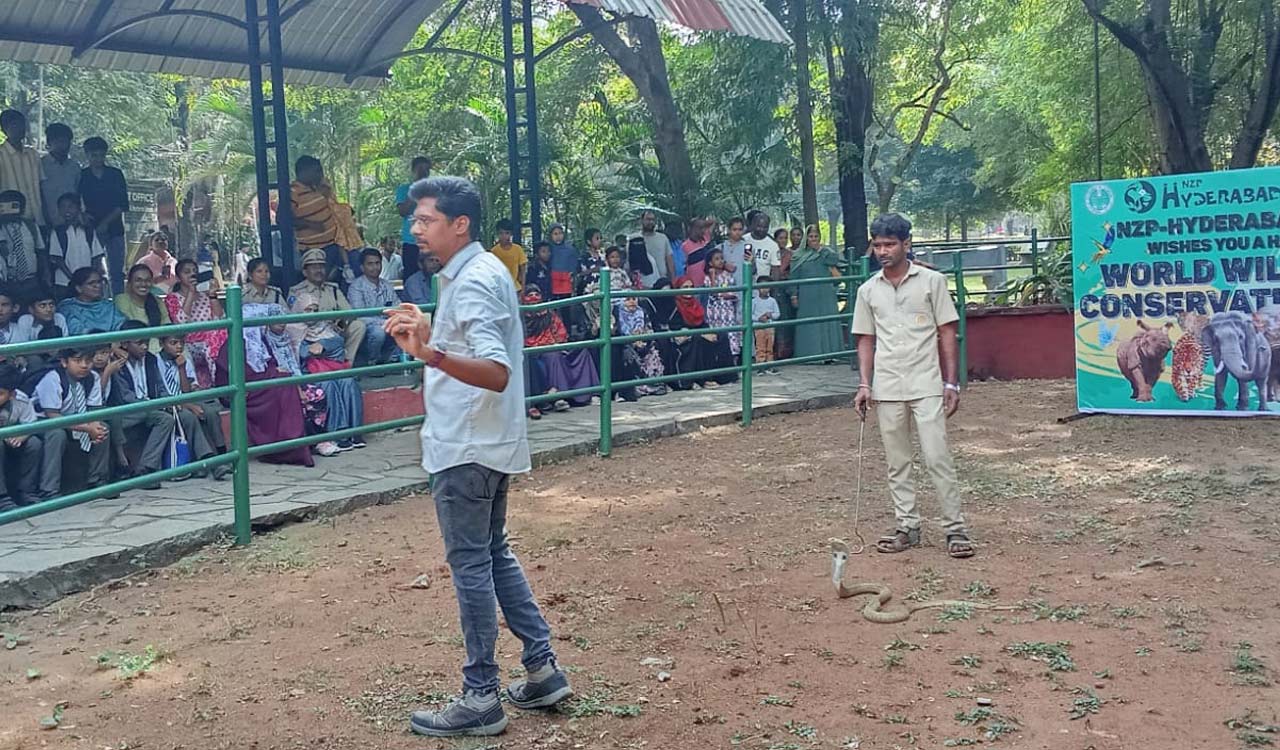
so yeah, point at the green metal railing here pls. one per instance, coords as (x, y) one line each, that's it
(238, 387)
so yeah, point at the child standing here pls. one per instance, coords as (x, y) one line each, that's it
(539, 272)
(72, 245)
(764, 309)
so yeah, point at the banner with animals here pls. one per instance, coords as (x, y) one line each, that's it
(1177, 294)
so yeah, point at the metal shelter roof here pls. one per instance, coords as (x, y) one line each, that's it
(325, 42)
(322, 40)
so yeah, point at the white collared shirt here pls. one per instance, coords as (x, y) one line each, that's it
(138, 371)
(478, 316)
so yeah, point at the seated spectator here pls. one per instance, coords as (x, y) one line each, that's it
(419, 288)
(8, 317)
(19, 456)
(258, 289)
(369, 291)
(18, 260)
(315, 405)
(43, 315)
(137, 303)
(108, 359)
(88, 309)
(67, 388)
(321, 349)
(143, 378)
(327, 298)
(553, 372)
(163, 265)
(73, 244)
(697, 351)
(276, 413)
(640, 359)
(178, 375)
(511, 254)
(538, 274)
(192, 301)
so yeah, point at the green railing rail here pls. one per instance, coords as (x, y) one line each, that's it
(238, 387)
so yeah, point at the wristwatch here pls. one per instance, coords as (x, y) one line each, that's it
(951, 387)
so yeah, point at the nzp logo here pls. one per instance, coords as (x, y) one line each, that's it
(1140, 197)
(1099, 199)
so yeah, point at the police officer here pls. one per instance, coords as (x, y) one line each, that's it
(314, 273)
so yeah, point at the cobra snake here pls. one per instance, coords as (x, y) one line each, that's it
(874, 610)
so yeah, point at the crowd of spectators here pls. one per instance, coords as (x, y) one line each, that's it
(62, 274)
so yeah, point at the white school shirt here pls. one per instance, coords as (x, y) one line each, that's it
(478, 316)
(49, 391)
(81, 250)
(167, 366)
(138, 371)
(29, 330)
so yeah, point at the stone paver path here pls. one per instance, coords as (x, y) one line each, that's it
(49, 556)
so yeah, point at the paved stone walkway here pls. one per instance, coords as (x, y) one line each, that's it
(48, 556)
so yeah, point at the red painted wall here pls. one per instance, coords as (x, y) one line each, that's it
(1016, 343)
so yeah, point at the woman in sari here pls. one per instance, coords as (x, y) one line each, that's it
(87, 310)
(640, 359)
(722, 307)
(554, 372)
(321, 349)
(187, 304)
(814, 261)
(276, 413)
(697, 351)
(258, 288)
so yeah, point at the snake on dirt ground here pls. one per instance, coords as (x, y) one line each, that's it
(874, 610)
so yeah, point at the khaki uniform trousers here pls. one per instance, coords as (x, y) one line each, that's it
(896, 418)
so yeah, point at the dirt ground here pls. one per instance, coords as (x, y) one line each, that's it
(1142, 552)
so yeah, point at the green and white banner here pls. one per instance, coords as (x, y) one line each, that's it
(1177, 293)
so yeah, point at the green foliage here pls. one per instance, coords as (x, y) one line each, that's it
(1053, 654)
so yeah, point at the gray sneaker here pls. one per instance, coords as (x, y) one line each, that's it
(459, 719)
(544, 694)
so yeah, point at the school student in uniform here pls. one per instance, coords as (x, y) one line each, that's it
(72, 244)
(65, 389)
(19, 456)
(178, 375)
(140, 379)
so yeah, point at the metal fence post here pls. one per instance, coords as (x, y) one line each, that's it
(957, 265)
(1035, 252)
(748, 340)
(239, 415)
(606, 363)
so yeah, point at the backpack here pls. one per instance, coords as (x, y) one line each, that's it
(33, 378)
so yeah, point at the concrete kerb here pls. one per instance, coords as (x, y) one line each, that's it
(47, 586)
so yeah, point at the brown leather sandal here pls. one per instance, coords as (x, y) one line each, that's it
(900, 540)
(959, 545)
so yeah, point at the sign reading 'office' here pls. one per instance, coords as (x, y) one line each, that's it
(1177, 293)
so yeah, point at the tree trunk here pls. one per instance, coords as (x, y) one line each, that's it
(964, 228)
(643, 63)
(1262, 110)
(851, 100)
(804, 110)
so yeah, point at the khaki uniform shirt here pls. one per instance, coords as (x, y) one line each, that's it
(905, 322)
(329, 296)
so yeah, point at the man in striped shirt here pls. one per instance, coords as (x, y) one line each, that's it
(314, 224)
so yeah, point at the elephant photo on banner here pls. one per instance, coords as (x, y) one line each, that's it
(1240, 350)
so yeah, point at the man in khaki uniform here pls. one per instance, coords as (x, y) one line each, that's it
(902, 316)
(314, 272)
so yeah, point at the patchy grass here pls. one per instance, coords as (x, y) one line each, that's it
(1086, 702)
(930, 585)
(1041, 610)
(803, 731)
(955, 612)
(968, 661)
(130, 666)
(980, 589)
(1055, 655)
(1252, 731)
(1248, 669)
(597, 704)
(777, 700)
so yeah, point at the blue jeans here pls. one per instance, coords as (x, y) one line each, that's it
(377, 347)
(471, 506)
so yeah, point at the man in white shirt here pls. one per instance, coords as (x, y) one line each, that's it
(472, 441)
(768, 254)
(20, 167)
(392, 264)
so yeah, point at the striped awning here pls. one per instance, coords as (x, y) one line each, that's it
(741, 17)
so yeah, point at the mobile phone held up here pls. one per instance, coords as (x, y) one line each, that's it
(204, 276)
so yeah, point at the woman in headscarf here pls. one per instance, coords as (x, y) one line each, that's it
(88, 310)
(564, 262)
(639, 265)
(723, 308)
(784, 336)
(274, 414)
(697, 351)
(640, 359)
(554, 372)
(813, 261)
(320, 349)
(188, 304)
